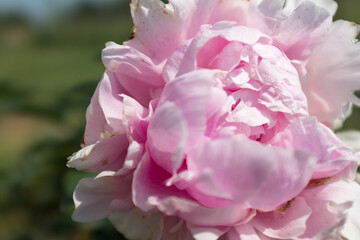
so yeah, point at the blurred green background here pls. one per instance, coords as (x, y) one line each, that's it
(50, 63)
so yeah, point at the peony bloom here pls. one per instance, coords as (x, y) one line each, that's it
(216, 120)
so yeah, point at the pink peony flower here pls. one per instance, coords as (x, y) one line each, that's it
(216, 122)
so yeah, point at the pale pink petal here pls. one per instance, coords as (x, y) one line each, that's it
(243, 232)
(283, 89)
(329, 5)
(161, 28)
(296, 32)
(104, 114)
(148, 187)
(107, 154)
(134, 154)
(351, 228)
(333, 156)
(290, 224)
(136, 224)
(93, 197)
(158, 27)
(330, 204)
(134, 73)
(174, 228)
(194, 104)
(127, 59)
(218, 34)
(135, 118)
(270, 176)
(167, 136)
(333, 74)
(95, 121)
(196, 214)
(251, 116)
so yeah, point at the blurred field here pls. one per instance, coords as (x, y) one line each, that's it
(47, 77)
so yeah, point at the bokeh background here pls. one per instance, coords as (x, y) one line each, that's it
(50, 64)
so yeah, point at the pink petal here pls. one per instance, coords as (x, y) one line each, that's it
(163, 27)
(134, 73)
(329, 204)
(309, 135)
(296, 32)
(270, 176)
(104, 112)
(167, 136)
(134, 154)
(149, 187)
(216, 35)
(282, 91)
(107, 154)
(136, 118)
(115, 55)
(195, 105)
(93, 197)
(333, 74)
(243, 232)
(196, 214)
(287, 225)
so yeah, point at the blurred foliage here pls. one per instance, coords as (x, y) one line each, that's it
(47, 77)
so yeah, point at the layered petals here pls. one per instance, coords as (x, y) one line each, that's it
(216, 120)
(309, 135)
(161, 28)
(332, 77)
(135, 73)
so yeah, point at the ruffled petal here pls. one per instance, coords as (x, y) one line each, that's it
(135, 72)
(218, 35)
(296, 32)
(333, 74)
(329, 204)
(163, 27)
(333, 156)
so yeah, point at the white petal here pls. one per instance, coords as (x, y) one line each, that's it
(136, 224)
(350, 138)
